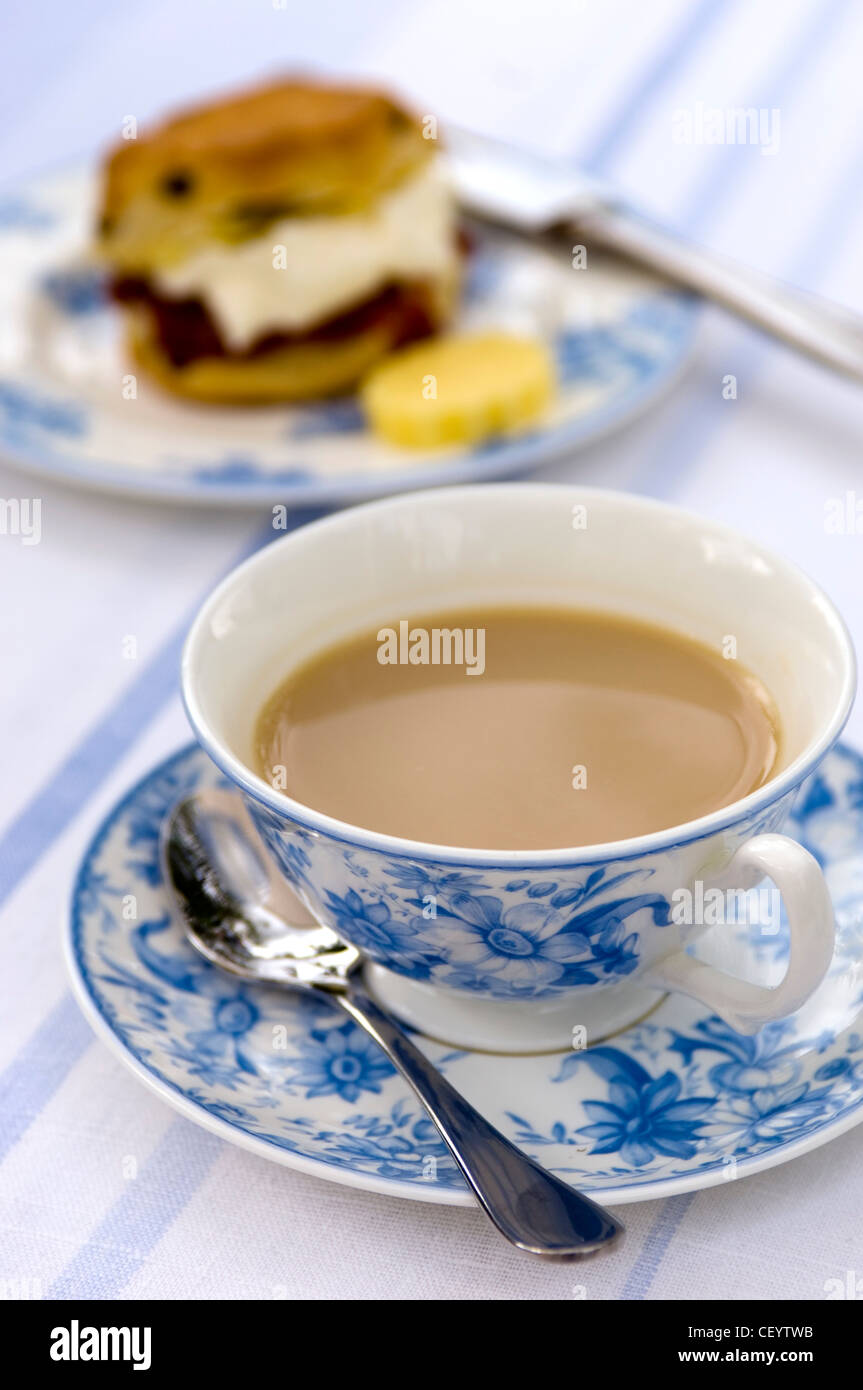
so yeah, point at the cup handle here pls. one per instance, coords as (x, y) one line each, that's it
(745, 1006)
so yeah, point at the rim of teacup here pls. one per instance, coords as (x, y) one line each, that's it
(396, 846)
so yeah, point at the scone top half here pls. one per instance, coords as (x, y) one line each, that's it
(227, 171)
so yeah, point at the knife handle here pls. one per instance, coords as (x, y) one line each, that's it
(817, 327)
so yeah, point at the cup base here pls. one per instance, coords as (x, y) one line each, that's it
(507, 1026)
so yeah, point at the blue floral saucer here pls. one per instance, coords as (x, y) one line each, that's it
(675, 1103)
(70, 408)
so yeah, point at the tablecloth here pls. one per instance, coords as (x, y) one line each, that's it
(623, 89)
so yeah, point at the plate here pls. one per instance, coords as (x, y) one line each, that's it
(673, 1104)
(72, 408)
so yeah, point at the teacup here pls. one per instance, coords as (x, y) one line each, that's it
(465, 944)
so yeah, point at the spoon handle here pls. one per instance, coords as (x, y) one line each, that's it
(531, 1207)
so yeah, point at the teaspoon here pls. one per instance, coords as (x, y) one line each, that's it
(227, 891)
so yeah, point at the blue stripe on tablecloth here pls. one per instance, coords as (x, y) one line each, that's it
(138, 1220)
(42, 1064)
(779, 91)
(55, 806)
(703, 413)
(696, 27)
(656, 1243)
(46, 1058)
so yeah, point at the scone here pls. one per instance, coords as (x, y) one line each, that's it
(275, 246)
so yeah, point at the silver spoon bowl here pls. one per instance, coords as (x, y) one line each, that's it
(231, 901)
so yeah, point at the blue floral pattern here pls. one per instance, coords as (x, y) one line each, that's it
(644, 1118)
(24, 412)
(676, 1102)
(340, 1060)
(485, 932)
(76, 291)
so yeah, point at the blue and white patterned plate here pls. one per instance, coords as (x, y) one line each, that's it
(676, 1103)
(619, 338)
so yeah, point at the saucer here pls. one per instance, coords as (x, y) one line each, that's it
(619, 337)
(675, 1103)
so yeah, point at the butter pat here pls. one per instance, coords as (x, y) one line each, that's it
(459, 389)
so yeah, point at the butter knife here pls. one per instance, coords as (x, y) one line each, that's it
(525, 193)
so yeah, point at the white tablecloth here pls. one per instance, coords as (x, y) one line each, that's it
(602, 83)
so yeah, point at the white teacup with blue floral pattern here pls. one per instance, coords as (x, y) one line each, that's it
(528, 951)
